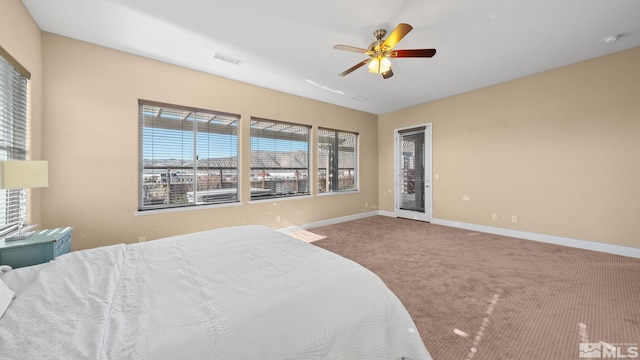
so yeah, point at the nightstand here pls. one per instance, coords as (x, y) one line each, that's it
(42, 246)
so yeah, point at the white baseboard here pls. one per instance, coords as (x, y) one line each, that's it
(551, 239)
(327, 222)
(557, 240)
(387, 213)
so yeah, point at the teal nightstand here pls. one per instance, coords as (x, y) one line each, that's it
(41, 247)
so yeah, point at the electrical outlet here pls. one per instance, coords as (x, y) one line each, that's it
(142, 238)
(514, 218)
(278, 218)
(494, 216)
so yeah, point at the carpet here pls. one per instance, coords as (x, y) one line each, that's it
(488, 297)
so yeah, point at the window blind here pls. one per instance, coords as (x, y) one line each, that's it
(14, 90)
(279, 159)
(337, 160)
(188, 156)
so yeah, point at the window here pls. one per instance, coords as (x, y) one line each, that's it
(337, 160)
(13, 132)
(279, 159)
(188, 156)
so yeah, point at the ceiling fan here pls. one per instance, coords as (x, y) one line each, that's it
(381, 50)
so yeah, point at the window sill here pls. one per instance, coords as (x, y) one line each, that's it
(186, 208)
(344, 192)
(282, 198)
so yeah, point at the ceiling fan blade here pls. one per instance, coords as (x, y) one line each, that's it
(350, 48)
(424, 53)
(355, 67)
(387, 74)
(396, 35)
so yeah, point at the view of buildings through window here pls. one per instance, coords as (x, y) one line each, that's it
(337, 160)
(189, 157)
(279, 159)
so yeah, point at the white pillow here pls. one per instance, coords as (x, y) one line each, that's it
(6, 295)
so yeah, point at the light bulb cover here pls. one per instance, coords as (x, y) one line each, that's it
(385, 65)
(379, 65)
(374, 64)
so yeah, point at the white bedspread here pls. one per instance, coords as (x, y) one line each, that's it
(236, 293)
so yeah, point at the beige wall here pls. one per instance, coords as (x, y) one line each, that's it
(91, 142)
(560, 149)
(21, 37)
(557, 149)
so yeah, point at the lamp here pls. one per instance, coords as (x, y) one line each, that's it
(379, 65)
(23, 174)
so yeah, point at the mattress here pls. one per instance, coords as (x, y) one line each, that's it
(246, 292)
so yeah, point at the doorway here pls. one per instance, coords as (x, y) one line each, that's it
(413, 173)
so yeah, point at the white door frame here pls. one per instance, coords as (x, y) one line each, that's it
(397, 185)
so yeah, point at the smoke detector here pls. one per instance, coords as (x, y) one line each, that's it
(611, 38)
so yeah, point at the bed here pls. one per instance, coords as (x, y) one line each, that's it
(245, 292)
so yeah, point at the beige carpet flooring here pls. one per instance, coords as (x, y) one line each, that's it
(488, 297)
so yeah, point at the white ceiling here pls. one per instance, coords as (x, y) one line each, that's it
(287, 45)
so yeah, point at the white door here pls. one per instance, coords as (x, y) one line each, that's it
(413, 173)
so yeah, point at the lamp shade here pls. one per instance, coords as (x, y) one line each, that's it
(24, 174)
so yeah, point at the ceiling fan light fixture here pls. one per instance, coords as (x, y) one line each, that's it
(381, 50)
(379, 65)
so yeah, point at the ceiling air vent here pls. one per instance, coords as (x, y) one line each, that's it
(229, 59)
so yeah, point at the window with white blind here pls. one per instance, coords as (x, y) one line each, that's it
(188, 156)
(14, 90)
(337, 160)
(279, 159)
